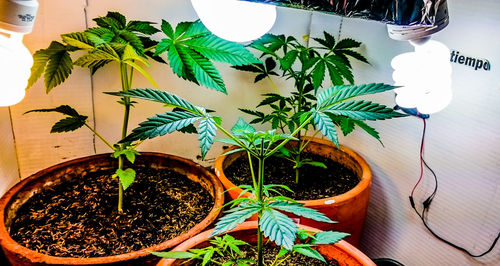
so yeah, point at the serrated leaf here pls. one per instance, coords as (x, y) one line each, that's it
(202, 69)
(144, 27)
(328, 237)
(206, 135)
(63, 109)
(341, 93)
(318, 74)
(126, 177)
(78, 39)
(118, 17)
(163, 97)
(347, 43)
(40, 59)
(189, 129)
(368, 129)
(363, 110)
(162, 124)
(242, 126)
(324, 124)
(92, 60)
(300, 210)
(167, 29)
(288, 60)
(237, 216)
(278, 227)
(142, 71)
(68, 124)
(309, 252)
(215, 48)
(58, 69)
(133, 40)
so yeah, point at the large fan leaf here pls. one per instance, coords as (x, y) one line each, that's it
(162, 124)
(58, 69)
(328, 237)
(206, 135)
(237, 216)
(159, 96)
(300, 210)
(363, 110)
(341, 93)
(40, 59)
(326, 126)
(142, 27)
(217, 49)
(202, 69)
(278, 228)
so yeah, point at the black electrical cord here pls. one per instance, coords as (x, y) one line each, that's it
(427, 202)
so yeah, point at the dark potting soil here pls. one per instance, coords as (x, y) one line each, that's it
(314, 182)
(270, 252)
(80, 218)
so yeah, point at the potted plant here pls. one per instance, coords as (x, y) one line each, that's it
(190, 48)
(324, 175)
(258, 145)
(342, 253)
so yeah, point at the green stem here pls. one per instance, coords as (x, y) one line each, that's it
(100, 137)
(279, 146)
(126, 100)
(251, 169)
(259, 195)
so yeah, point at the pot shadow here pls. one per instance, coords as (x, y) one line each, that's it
(383, 219)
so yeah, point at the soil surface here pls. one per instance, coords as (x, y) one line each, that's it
(80, 218)
(314, 183)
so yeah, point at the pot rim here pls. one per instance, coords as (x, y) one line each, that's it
(364, 182)
(12, 246)
(204, 236)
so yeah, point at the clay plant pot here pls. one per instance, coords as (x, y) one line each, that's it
(343, 252)
(20, 193)
(348, 209)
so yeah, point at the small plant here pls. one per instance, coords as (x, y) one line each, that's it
(308, 67)
(226, 246)
(260, 145)
(189, 50)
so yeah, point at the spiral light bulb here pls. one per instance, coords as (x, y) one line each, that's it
(424, 77)
(15, 65)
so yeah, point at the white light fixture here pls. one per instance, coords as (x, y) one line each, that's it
(16, 19)
(234, 20)
(424, 75)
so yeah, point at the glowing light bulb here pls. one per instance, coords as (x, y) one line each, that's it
(234, 20)
(425, 77)
(15, 65)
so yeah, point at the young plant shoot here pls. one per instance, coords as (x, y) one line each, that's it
(188, 49)
(308, 66)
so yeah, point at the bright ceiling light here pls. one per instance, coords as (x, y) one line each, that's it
(425, 77)
(16, 19)
(234, 20)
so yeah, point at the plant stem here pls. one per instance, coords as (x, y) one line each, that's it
(259, 195)
(126, 100)
(251, 169)
(100, 137)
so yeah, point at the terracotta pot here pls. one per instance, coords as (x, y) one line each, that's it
(20, 193)
(343, 252)
(348, 209)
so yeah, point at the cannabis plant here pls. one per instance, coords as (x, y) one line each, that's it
(189, 49)
(260, 145)
(308, 67)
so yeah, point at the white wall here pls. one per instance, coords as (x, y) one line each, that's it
(461, 145)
